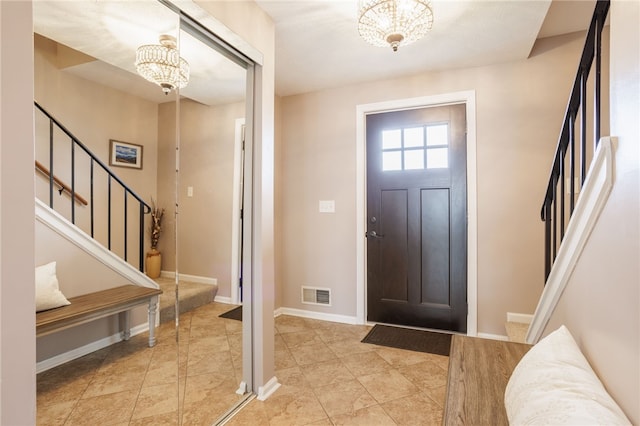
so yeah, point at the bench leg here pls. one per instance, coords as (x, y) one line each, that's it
(124, 321)
(153, 306)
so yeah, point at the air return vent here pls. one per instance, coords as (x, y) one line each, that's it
(316, 296)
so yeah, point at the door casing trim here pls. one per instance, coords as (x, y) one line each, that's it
(467, 97)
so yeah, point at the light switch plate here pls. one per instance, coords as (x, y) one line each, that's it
(189, 191)
(327, 206)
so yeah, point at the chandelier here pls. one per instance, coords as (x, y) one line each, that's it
(394, 22)
(161, 64)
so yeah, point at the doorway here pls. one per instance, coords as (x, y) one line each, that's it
(362, 111)
(416, 206)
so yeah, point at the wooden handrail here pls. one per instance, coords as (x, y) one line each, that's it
(63, 186)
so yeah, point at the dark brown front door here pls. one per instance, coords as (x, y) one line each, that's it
(416, 208)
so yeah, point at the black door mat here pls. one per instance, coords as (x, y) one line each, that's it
(406, 338)
(235, 314)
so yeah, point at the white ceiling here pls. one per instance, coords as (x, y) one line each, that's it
(111, 30)
(318, 45)
(317, 42)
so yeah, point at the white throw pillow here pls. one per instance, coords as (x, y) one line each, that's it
(48, 295)
(553, 384)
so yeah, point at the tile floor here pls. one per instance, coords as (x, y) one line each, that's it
(328, 378)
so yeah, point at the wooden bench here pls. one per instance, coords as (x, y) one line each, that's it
(479, 370)
(101, 304)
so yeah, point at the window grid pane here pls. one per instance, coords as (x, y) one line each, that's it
(391, 139)
(413, 137)
(403, 149)
(438, 135)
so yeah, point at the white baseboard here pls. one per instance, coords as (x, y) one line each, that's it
(345, 319)
(493, 336)
(268, 389)
(193, 278)
(62, 358)
(521, 318)
(223, 299)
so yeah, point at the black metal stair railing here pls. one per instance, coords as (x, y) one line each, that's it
(554, 210)
(112, 180)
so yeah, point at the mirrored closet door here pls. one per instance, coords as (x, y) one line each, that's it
(179, 149)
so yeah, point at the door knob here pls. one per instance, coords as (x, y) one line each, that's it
(373, 234)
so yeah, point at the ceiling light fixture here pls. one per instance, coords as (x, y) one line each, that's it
(161, 64)
(394, 22)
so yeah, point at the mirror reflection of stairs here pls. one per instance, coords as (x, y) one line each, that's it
(192, 295)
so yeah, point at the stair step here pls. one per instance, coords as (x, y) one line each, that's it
(517, 331)
(192, 296)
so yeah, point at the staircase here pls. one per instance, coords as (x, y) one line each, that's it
(109, 223)
(192, 295)
(580, 180)
(517, 331)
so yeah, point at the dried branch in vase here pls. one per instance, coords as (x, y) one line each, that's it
(156, 224)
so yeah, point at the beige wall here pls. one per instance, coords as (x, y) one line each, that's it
(207, 137)
(519, 105)
(94, 114)
(17, 305)
(601, 302)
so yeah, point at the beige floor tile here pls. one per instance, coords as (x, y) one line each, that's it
(311, 354)
(316, 363)
(335, 333)
(154, 400)
(344, 397)
(162, 373)
(368, 416)
(254, 414)
(415, 410)
(104, 383)
(63, 390)
(437, 394)
(284, 359)
(294, 408)
(300, 338)
(201, 362)
(326, 373)
(365, 363)
(401, 357)
(387, 385)
(233, 326)
(323, 422)
(235, 342)
(292, 376)
(289, 324)
(209, 343)
(54, 414)
(349, 346)
(168, 419)
(441, 361)
(204, 387)
(425, 375)
(108, 409)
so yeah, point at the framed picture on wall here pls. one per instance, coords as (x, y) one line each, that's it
(124, 154)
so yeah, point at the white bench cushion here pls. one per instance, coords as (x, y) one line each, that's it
(553, 384)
